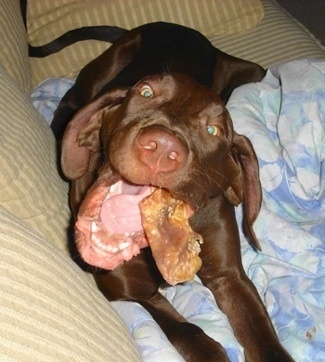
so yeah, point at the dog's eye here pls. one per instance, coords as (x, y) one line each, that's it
(213, 130)
(146, 91)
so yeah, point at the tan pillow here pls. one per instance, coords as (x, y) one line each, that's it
(49, 310)
(30, 186)
(278, 38)
(49, 19)
(14, 48)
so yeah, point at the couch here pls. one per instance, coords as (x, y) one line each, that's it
(49, 308)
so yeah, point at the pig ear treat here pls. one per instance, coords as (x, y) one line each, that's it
(175, 246)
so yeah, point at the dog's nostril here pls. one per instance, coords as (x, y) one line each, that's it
(173, 155)
(152, 145)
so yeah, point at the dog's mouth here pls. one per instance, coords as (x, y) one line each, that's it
(115, 222)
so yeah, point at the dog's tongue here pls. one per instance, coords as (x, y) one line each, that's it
(121, 211)
(175, 246)
(164, 221)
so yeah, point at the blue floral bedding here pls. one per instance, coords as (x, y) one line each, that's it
(284, 117)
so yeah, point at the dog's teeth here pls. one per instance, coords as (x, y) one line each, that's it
(97, 242)
(109, 248)
(93, 227)
(124, 245)
(114, 249)
(113, 188)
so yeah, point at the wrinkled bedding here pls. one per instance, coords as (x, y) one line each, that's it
(284, 117)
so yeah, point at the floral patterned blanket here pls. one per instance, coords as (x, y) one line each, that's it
(284, 117)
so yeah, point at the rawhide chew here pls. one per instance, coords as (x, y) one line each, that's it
(175, 246)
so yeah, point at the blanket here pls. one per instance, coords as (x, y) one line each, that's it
(284, 117)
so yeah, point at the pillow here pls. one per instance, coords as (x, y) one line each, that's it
(50, 19)
(279, 38)
(30, 186)
(49, 310)
(14, 48)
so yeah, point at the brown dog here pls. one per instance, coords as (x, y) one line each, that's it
(154, 121)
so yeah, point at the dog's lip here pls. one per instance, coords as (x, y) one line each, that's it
(103, 241)
(98, 243)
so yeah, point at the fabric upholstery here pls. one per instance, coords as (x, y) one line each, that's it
(49, 309)
(14, 48)
(30, 185)
(48, 20)
(278, 38)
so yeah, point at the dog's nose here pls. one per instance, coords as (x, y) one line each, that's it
(161, 149)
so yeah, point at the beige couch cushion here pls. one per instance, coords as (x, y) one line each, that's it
(14, 48)
(278, 38)
(49, 310)
(30, 186)
(50, 19)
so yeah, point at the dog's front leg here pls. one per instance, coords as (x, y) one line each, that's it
(189, 340)
(235, 294)
(138, 280)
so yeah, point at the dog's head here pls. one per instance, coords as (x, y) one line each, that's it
(166, 131)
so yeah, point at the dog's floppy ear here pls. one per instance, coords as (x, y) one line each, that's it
(82, 133)
(246, 186)
(231, 72)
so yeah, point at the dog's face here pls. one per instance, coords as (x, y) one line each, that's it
(171, 133)
(166, 131)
